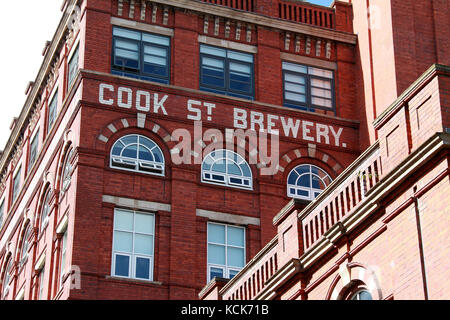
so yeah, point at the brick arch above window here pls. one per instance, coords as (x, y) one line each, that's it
(352, 274)
(139, 122)
(310, 152)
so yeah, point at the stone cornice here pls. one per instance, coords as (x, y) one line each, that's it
(260, 20)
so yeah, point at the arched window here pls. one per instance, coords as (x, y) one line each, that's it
(227, 168)
(45, 211)
(306, 182)
(7, 277)
(25, 245)
(66, 175)
(361, 295)
(137, 153)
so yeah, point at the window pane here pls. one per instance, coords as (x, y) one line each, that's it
(321, 72)
(295, 87)
(234, 169)
(215, 63)
(123, 220)
(122, 267)
(165, 41)
(241, 68)
(123, 241)
(304, 181)
(142, 268)
(295, 97)
(321, 93)
(294, 78)
(321, 102)
(294, 67)
(235, 236)
(128, 45)
(235, 257)
(127, 33)
(143, 244)
(213, 51)
(216, 233)
(364, 295)
(321, 83)
(215, 272)
(155, 60)
(144, 223)
(240, 56)
(216, 254)
(232, 273)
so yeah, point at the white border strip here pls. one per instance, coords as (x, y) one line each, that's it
(227, 217)
(136, 204)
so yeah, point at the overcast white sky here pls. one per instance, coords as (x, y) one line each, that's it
(24, 27)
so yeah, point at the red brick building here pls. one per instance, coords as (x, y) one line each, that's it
(125, 176)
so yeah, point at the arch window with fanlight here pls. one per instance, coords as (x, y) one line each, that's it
(25, 245)
(46, 208)
(137, 153)
(306, 182)
(228, 168)
(66, 175)
(7, 277)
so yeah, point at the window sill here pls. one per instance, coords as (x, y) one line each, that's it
(135, 281)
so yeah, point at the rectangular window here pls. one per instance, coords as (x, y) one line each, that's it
(227, 72)
(308, 88)
(41, 284)
(141, 55)
(33, 150)
(2, 213)
(52, 111)
(226, 250)
(133, 244)
(16, 185)
(73, 68)
(63, 258)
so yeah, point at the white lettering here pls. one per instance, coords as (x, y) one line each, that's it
(140, 93)
(240, 118)
(322, 131)
(271, 124)
(159, 104)
(306, 130)
(257, 118)
(336, 135)
(120, 102)
(101, 94)
(197, 111)
(289, 126)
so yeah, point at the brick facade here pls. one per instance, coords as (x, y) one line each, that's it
(98, 108)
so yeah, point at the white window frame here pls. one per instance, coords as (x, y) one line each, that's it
(44, 223)
(75, 47)
(63, 257)
(227, 176)
(65, 183)
(131, 255)
(54, 94)
(15, 193)
(136, 161)
(41, 277)
(26, 235)
(226, 269)
(7, 277)
(2, 211)
(34, 136)
(311, 191)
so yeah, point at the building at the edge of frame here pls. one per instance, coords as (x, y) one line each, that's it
(166, 147)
